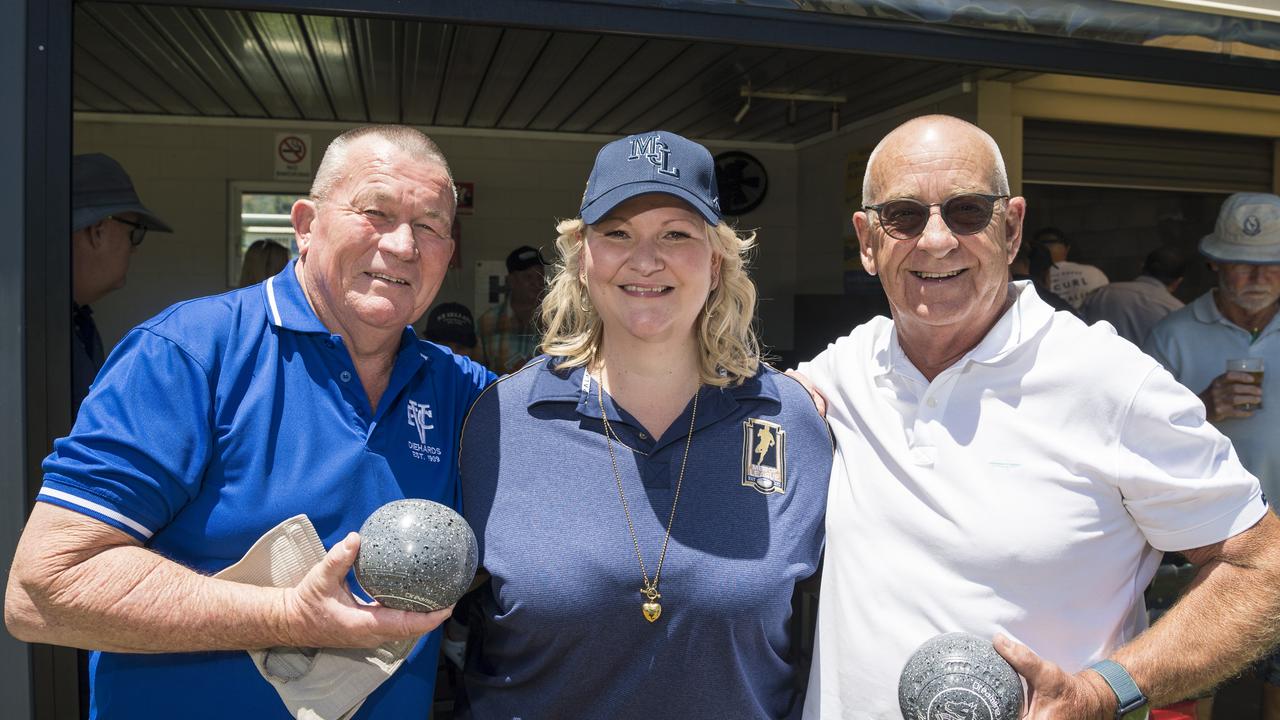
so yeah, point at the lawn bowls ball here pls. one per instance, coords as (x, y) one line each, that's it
(959, 676)
(416, 555)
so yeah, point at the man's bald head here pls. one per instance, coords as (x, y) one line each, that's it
(931, 128)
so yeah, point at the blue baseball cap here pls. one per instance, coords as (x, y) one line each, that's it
(652, 162)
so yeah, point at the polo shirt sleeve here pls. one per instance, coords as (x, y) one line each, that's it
(1179, 477)
(142, 439)
(480, 377)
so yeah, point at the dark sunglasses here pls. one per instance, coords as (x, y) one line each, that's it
(965, 214)
(138, 232)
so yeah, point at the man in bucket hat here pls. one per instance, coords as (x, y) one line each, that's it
(108, 222)
(1237, 321)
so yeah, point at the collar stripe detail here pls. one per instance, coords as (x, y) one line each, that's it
(271, 299)
(95, 507)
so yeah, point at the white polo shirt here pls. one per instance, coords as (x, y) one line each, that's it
(1194, 344)
(1029, 489)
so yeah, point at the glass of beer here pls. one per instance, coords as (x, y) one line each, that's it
(1251, 366)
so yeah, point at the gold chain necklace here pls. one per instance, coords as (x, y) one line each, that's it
(651, 608)
(609, 432)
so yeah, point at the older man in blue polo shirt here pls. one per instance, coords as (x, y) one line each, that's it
(223, 416)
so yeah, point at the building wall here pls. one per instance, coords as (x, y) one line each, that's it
(523, 184)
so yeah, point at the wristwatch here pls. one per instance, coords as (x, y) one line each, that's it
(1132, 703)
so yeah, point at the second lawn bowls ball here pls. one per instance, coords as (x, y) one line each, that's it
(959, 676)
(416, 555)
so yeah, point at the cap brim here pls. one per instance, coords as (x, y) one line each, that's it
(84, 217)
(1217, 251)
(594, 211)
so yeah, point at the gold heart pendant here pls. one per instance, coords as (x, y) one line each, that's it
(651, 611)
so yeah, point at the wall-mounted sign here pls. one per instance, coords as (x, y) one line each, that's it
(292, 153)
(466, 197)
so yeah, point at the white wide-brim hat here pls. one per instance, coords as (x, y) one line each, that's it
(1247, 231)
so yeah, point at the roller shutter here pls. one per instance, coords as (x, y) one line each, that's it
(1061, 153)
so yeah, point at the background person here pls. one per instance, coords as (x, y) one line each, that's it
(508, 337)
(1237, 320)
(108, 223)
(450, 324)
(1072, 281)
(262, 260)
(648, 494)
(1135, 306)
(1033, 262)
(223, 416)
(1009, 471)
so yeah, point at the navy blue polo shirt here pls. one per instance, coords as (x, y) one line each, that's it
(563, 635)
(221, 417)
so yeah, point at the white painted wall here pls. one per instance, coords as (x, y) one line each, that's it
(523, 184)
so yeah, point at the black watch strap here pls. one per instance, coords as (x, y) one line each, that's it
(1132, 703)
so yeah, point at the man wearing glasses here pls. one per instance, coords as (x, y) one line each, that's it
(1014, 473)
(108, 222)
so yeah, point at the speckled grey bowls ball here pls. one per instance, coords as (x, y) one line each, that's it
(416, 555)
(959, 675)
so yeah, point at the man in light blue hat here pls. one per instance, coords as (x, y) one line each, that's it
(1237, 321)
(108, 222)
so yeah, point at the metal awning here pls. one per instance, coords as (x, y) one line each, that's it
(187, 61)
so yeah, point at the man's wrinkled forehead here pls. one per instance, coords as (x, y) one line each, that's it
(911, 162)
(378, 157)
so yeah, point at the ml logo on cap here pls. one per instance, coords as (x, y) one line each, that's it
(1252, 225)
(656, 152)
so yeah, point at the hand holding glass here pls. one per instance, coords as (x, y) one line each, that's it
(1250, 366)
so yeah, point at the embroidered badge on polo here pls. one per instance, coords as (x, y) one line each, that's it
(420, 419)
(764, 456)
(655, 151)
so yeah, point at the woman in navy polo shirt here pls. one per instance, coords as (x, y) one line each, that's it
(647, 493)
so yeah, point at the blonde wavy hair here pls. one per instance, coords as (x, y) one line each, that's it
(730, 352)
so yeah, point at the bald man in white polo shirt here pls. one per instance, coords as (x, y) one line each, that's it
(1012, 472)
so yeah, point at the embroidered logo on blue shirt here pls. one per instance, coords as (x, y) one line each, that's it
(764, 456)
(419, 414)
(420, 419)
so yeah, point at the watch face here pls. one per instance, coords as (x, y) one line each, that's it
(742, 182)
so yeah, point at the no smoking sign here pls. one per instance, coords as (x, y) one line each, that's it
(293, 156)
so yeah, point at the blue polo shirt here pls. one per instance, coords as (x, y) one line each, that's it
(221, 417)
(562, 634)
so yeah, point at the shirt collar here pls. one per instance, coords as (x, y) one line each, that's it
(1205, 309)
(287, 305)
(571, 385)
(1023, 320)
(288, 308)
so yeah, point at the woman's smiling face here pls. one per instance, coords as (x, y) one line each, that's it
(649, 268)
